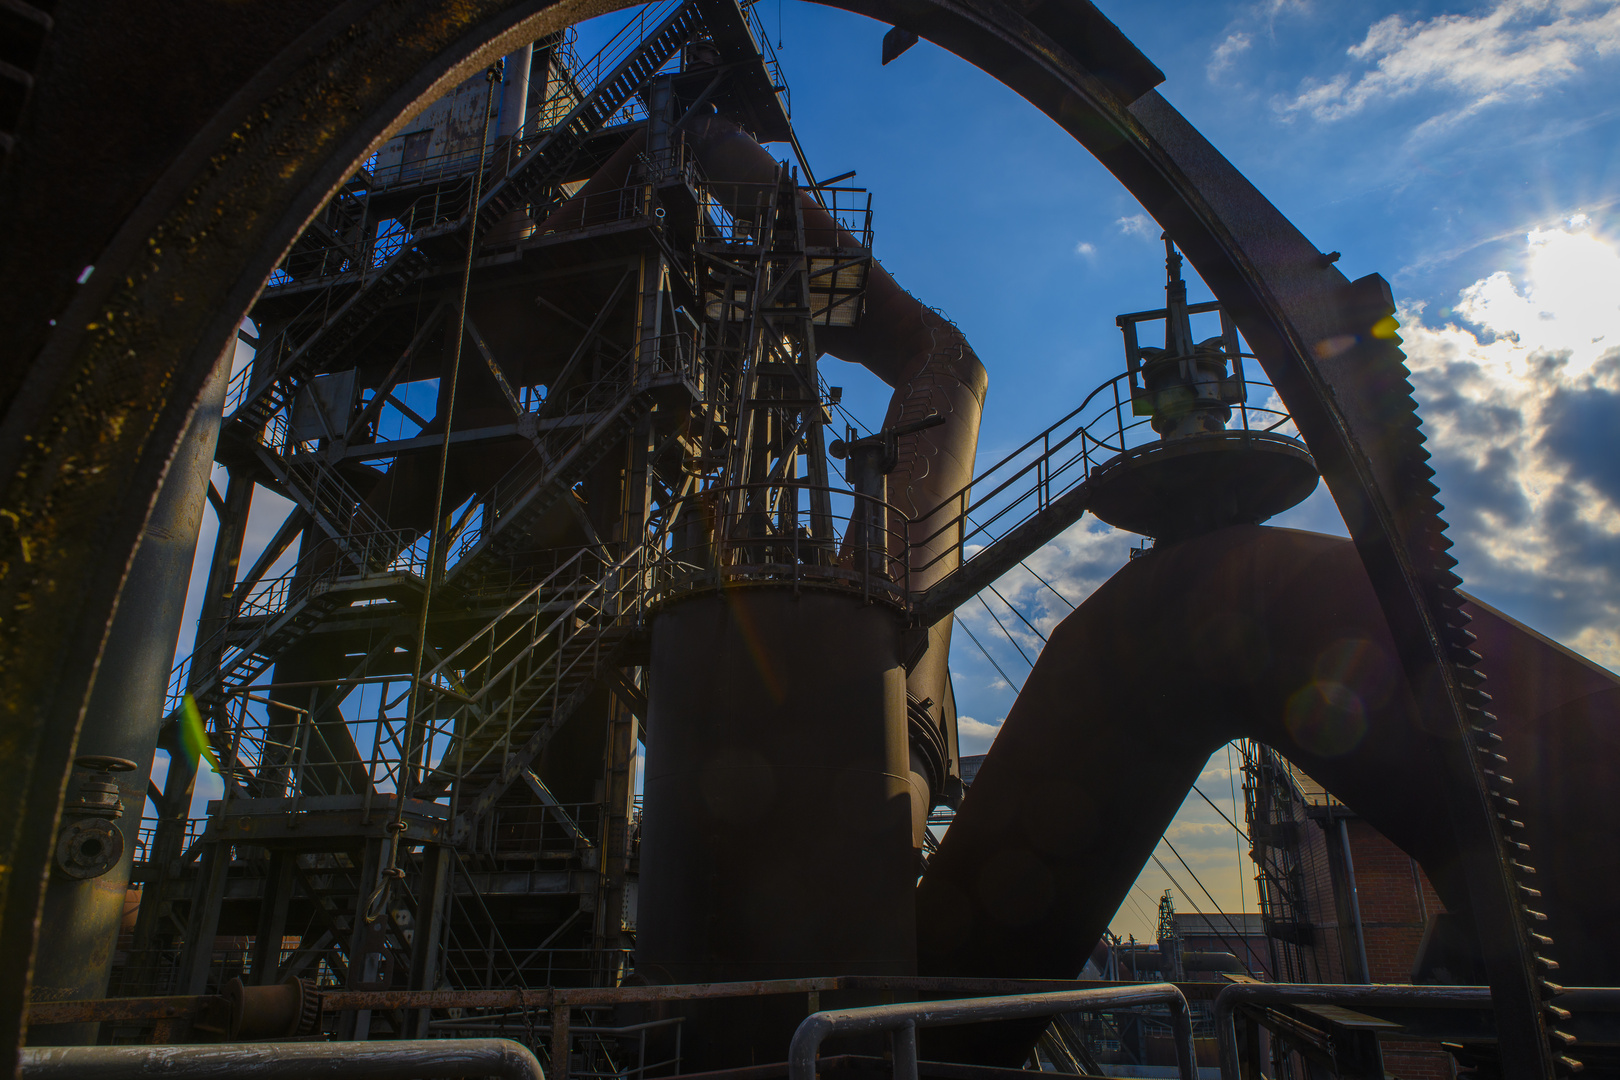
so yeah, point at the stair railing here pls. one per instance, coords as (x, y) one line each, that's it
(491, 685)
(1057, 460)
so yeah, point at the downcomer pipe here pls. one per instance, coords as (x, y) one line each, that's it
(1276, 635)
(84, 897)
(933, 370)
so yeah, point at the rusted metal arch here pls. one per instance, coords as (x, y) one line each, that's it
(241, 120)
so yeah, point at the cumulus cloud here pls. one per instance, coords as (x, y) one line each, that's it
(1085, 248)
(1520, 395)
(1139, 225)
(1226, 54)
(1513, 50)
(975, 736)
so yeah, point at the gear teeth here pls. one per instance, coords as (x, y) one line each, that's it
(1430, 548)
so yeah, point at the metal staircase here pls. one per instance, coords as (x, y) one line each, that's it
(359, 532)
(543, 167)
(498, 698)
(535, 484)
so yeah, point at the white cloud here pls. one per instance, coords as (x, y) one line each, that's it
(1226, 53)
(1139, 225)
(1085, 248)
(1523, 415)
(1515, 49)
(975, 736)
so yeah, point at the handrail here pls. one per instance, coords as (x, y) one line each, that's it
(405, 1059)
(904, 1020)
(543, 584)
(515, 676)
(766, 541)
(1059, 467)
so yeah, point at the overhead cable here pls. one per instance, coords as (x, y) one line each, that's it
(987, 656)
(1018, 613)
(1005, 632)
(1232, 926)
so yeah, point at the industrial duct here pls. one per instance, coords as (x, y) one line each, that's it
(1275, 635)
(933, 370)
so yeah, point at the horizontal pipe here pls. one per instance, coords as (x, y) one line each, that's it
(909, 1016)
(335, 1001)
(407, 1059)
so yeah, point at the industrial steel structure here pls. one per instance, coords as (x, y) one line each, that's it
(534, 359)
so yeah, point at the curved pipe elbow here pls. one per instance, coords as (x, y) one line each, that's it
(1275, 635)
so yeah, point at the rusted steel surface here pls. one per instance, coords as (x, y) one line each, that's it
(280, 101)
(1036, 862)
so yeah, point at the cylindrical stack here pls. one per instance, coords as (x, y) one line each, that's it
(934, 371)
(777, 841)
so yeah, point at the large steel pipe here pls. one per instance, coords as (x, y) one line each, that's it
(1275, 635)
(85, 894)
(776, 842)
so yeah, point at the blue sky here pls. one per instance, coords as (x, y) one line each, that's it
(1467, 152)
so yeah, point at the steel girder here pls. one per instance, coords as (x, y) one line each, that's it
(179, 151)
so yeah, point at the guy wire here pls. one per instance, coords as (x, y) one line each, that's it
(396, 827)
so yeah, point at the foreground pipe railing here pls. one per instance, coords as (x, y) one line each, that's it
(407, 1059)
(1398, 995)
(904, 1020)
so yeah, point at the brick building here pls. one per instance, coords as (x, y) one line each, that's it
(1339, 902)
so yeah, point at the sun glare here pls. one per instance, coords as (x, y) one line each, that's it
(1570, 302)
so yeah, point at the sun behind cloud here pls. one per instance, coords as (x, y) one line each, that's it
(1520, 395)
